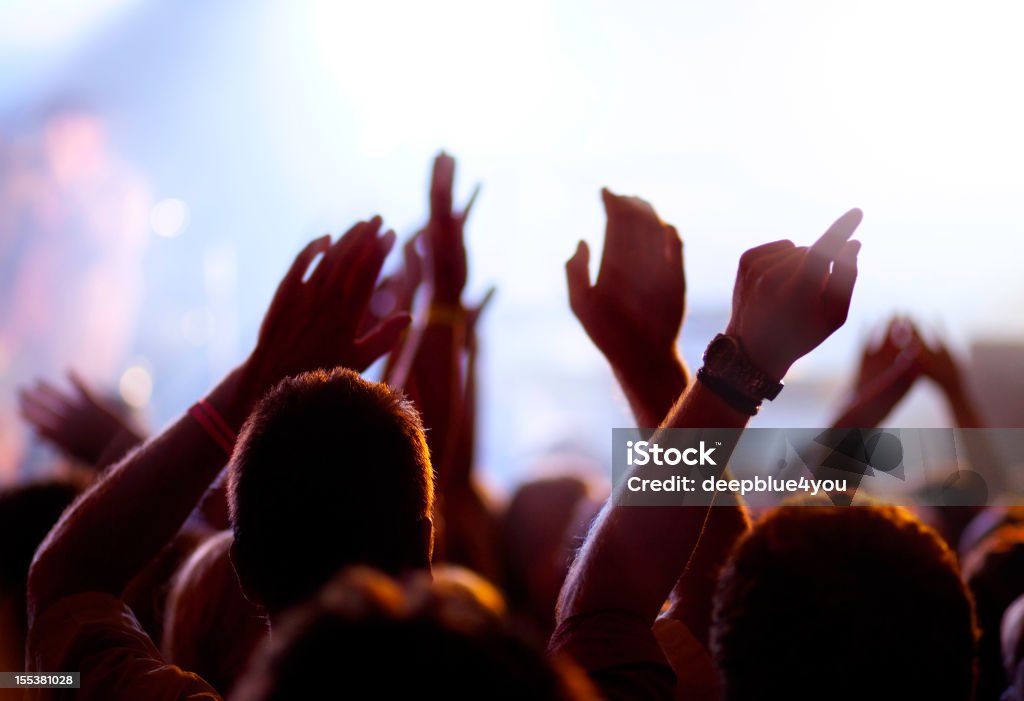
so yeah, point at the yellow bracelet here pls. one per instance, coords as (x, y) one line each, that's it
(442, 314)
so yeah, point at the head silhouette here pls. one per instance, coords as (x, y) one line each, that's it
(330, 470)
(852, 602)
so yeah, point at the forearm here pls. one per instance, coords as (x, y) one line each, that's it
(120, 446)
(653, 388)
(657, 541)
(869, 406)
(962, 407)
(436, 374)
(983, 458)
(692, 598)
(125, 519)
(470, 529)
(464, 450)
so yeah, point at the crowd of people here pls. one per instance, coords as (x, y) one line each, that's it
(303, 531)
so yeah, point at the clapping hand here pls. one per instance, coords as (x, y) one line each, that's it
(443, 236)
(634, 312)
(77, 422)
(889, 367)
(315, 318)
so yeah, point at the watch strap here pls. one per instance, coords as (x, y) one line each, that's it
(729, 371)
(727, 393)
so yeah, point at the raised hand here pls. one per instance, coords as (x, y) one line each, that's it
(788, 299)
(899, 344)
(889, 367)
(634, 312)
(77, 422)
(313, 322)
(314, 319)
(635, 309)
(443, 235)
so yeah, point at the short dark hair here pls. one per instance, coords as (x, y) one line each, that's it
(330, 470)
(820, 602)
(404, 639)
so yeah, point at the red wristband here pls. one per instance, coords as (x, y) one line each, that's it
(218, 420)
(214, 425)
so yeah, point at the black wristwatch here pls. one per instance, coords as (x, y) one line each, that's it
(729, 373)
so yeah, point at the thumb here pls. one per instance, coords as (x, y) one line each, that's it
(577, 275)
(380, 340)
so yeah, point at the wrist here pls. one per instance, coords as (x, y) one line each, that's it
(761, 355)
(440, 314)
(729, 372)
(234, 396)
(664, 368)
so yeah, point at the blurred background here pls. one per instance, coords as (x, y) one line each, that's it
(161, 163)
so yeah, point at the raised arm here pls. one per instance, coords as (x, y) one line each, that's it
(691, 598)
(470, 527)
(634, 311)
(431, 364)
(633, 314)
(437, 371)
(940, 365)
(464, 456)
(787, 301)
(125, 519)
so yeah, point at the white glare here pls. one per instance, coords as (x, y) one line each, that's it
(136, 386)
(168, 217)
